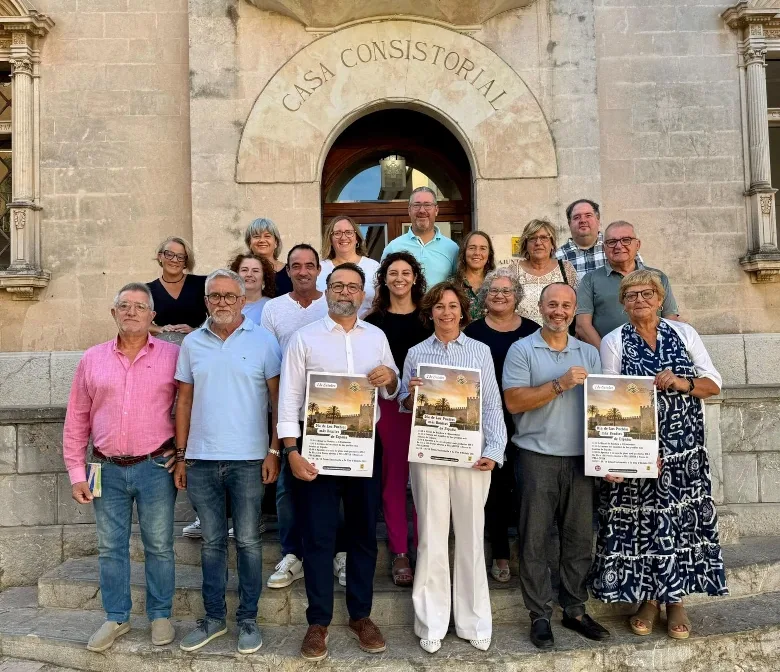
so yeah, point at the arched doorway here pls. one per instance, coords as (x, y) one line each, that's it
(378, 160)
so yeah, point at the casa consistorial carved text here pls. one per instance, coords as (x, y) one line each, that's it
(378, 51)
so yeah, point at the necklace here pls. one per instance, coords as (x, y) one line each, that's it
(172, 282)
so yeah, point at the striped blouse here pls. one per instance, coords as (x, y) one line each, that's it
(470, 354)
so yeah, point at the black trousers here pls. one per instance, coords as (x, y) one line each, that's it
(318, 503)
(554, 490)
(500, 513)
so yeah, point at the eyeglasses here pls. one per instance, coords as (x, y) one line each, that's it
(343, 234)
(125, 306)
(647, 294)
(170, 256)
(339, 287)
(612, 243)
(540, 239)
(215, 298)
(422, 206)
(503, 291)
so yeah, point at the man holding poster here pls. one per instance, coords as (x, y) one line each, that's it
(335, 350)
(543, 389)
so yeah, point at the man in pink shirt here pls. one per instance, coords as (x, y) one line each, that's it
(122, 396)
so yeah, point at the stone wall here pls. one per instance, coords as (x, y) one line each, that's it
(672, 154)
(40, 524)
(115, 170)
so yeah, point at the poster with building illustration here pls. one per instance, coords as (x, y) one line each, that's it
(338, 437)
(621, 426)
(447, 425)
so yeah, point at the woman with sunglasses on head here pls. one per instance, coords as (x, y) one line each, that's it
(177, 293)
(343, 242)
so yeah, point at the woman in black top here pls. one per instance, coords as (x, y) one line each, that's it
(262, 237)
(179, 295)
(400, 285)
(501, 294)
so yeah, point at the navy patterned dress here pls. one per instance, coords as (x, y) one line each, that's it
(658, 538)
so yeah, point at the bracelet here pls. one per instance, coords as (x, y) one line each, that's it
(291, 449)
(691, 383)
(180, 457)
(274, 452)
(557, 387)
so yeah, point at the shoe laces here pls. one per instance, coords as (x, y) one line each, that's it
(247, 627)
(287, 561)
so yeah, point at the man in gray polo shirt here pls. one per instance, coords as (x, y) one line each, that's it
(543, 378)
(228, 372)
(598, 309)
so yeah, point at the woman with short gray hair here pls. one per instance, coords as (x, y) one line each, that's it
(262, 237)
(178, 292)
(499, 296)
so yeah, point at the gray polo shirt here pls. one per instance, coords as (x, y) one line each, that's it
(598, 292)
(558, 427)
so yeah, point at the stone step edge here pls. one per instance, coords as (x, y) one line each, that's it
(133, 653)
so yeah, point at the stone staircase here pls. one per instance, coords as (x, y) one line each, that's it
(51, 624)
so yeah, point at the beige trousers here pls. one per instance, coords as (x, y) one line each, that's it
(437, 491)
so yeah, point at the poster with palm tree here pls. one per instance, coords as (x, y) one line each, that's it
(447, 412)
(621, 426)
(339, 426)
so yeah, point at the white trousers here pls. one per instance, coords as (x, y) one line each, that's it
(438, 490)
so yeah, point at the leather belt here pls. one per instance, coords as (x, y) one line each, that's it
(130, 460)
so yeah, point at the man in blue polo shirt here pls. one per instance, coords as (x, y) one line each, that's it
(436, 253)
(543, 389)
(228, 371)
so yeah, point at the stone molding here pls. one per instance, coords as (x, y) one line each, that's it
(344, 75)
(316, 14)
(758, 26)
(22, 29)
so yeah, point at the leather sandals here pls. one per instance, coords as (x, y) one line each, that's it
(643, 620)
(402, 570)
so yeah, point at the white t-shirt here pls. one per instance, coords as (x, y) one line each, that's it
(283, 316)
(369, 266)
(612, 351)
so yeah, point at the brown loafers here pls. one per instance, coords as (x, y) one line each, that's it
(368, 635)
(315, 643)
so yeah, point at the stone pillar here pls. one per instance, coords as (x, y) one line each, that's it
(758, 122)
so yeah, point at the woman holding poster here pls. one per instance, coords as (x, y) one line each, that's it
(463, 489)
(658, 538)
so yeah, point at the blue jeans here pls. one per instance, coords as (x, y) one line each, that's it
(289, 527)
(151, 487)
(208, 481)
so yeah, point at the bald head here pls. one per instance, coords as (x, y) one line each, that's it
(557, 305)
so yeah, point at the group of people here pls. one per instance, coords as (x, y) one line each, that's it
(255, 330)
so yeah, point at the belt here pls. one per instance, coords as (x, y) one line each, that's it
(130, 460)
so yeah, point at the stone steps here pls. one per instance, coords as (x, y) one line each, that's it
(732, 634)
(753, 567)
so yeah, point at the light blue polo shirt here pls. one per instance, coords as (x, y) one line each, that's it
(557, 428)
(230, 396)
(438, 257)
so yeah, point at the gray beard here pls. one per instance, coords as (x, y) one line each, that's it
(555, 328)
(342, 309)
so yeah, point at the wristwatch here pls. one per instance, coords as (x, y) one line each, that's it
(291, 449)
(274, 452)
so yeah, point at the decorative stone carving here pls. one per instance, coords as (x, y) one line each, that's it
(755, 56)
(766, 204)
(340, 76)
(318, 14)
(20, 219)
(22, 65)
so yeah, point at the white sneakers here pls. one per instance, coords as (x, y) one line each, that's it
(290, 569)
(340, 568)
(193, 530)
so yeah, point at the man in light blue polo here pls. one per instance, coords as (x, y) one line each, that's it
(436, 253)
(542, 380)
(228, 371)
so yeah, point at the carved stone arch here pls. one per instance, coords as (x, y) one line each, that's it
(369, 66)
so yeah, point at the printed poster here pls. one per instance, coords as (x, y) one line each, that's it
(447, 425)
(621, 426)
(338, 437)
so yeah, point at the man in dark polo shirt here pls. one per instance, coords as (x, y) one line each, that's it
(598, 308)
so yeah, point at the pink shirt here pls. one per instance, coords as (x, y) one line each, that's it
(125, 406)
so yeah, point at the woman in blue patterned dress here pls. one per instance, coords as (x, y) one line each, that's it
(658, 538)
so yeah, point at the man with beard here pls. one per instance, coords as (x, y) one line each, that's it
(228, 372)
(437, 254)
(338, 343)
(543, 378)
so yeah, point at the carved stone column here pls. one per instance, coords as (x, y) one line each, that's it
(758, 122)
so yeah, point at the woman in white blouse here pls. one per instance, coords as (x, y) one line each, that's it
(658, 538)
(538, 266)
(343, 242)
